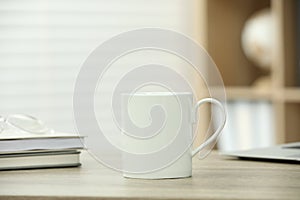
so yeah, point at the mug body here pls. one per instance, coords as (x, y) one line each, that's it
(180, 168)
(152, 122)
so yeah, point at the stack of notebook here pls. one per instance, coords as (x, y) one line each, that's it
(26, 151)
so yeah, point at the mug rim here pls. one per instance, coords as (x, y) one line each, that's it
(157, 94)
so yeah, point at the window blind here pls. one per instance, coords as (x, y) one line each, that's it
(43, 44)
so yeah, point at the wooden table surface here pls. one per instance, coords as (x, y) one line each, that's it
(213, 178)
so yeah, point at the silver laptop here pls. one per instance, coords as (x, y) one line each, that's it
(286, 152)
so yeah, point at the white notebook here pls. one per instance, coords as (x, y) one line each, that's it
(15, 142)
(39, 160)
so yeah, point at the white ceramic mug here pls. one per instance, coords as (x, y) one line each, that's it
(157, 128)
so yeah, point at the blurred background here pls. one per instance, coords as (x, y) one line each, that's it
(255, 44)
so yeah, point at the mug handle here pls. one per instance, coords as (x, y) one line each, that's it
(218, 131)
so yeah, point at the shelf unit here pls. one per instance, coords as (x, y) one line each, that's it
(221, 25)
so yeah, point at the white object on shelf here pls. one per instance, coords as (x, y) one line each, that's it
(249, 125)
(257, 38)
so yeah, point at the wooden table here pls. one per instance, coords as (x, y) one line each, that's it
(213, 178)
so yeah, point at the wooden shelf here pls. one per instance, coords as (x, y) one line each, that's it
(292, 95)
(287, 95)
(224, 22)
(242, 93)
